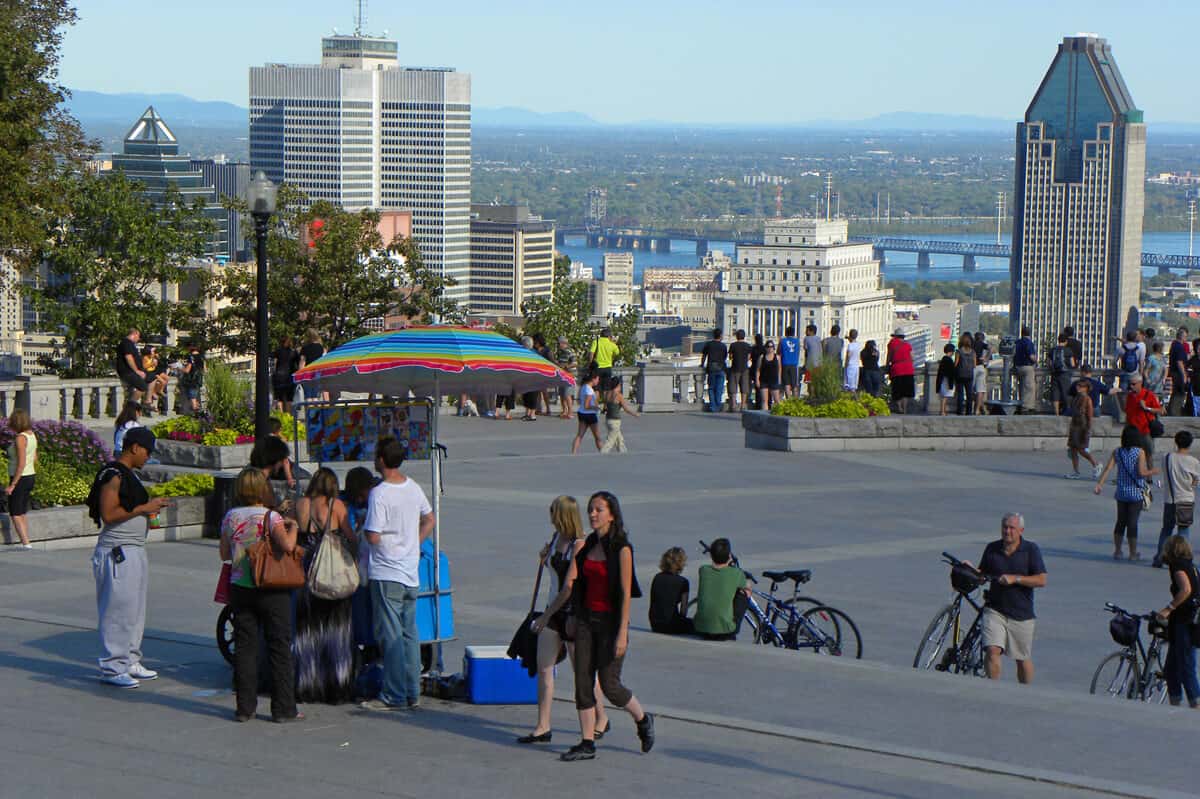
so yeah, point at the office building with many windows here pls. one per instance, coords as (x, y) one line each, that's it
(805, 272)
(361, 131)
(229, 180)
(512, 259)
(618, 280)
(151, 156)
(1079, 197)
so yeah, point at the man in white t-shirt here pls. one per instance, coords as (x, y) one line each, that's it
(399, 518)
(1182, 474)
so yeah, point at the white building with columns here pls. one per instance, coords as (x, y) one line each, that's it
(805, 272)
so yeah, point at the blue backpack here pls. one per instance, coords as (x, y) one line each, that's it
(1129, 359)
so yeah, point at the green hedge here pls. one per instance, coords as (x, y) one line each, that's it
(847, 406)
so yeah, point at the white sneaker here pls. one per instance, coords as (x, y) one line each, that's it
(140, 672)
(24, 547)
(122, 681)
(1072, 476)
(1096, 471)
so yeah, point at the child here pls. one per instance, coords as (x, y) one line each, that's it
(980, 384)
(588, 413)
(1079, 434)
(612, 417)
(945, 377)
(669, 596)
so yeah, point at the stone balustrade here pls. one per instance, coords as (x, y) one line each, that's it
(49, 397)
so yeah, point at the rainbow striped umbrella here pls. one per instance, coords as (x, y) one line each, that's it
(434, 360)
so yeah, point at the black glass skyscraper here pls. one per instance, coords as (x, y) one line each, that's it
(1077, 215)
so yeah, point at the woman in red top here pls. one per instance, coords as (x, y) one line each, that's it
(602, 584)
(900, 371)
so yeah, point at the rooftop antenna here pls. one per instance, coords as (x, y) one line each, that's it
(828, 192)
(360, 19)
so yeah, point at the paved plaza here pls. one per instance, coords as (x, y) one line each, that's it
(734, 718)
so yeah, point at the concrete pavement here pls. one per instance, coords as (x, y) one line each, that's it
(735, 717)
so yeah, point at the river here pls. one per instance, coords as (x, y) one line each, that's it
(900, 265)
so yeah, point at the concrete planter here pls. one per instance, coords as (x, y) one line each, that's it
(185, 453)
(942, 433)
(50, 528)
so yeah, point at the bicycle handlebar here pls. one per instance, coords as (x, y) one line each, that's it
(960, 564)
(1111, 608)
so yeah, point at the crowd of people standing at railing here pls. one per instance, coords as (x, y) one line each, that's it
(743, 376)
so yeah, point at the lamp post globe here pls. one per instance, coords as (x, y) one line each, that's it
(260, 199)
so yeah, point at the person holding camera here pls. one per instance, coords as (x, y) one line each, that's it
(122, 507)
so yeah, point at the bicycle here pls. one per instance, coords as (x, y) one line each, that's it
(965, 653)
(820, 628)
(1136, 671)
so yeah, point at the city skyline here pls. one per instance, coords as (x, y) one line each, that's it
(530, 55)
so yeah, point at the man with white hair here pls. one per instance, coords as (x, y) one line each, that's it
(1017, 568)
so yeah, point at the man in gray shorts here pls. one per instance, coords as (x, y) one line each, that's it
(1008, 620)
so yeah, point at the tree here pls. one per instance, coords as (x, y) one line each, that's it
(567, 312)
(41, 141)
(330, 270)
(624, 332)
(108, 263)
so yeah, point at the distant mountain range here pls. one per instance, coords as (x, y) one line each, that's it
(102, 109)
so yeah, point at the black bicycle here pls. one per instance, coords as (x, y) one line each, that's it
(945, 647)
(780, 622)
(1135, 671)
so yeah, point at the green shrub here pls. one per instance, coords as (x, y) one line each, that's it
(230, 398)
(60, 484)
(825, 381)
(846, 406)
(179, 424)
(186, 485)
(221, 437)
(289, 426)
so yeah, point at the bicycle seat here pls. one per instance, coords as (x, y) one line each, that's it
(799, 575)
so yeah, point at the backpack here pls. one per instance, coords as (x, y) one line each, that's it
(1058, 359)
(1129, 359)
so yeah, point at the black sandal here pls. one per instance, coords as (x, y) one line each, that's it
(600, 733)
(544, 738)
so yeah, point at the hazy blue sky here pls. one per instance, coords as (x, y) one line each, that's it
(620, 60)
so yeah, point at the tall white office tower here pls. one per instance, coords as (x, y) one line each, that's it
(361, 131)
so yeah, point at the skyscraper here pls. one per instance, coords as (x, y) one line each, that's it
(361, 131)
(512, 258)
(1077, 215)
(151, 157)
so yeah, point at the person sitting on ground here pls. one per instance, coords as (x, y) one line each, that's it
(669, 595)
(723, 596)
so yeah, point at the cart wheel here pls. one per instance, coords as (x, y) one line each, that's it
(225, 633)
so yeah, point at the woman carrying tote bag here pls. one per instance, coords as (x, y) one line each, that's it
(255, 609)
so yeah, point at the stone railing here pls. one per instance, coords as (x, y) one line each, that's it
(1004, 389)
(660, 387)
(48, 397)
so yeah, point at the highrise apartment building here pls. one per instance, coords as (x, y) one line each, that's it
(361, 131)
(229, 179)
(618, 280)
(1078, 201)
(512, 259)
(805, 272)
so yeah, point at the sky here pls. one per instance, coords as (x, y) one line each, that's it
(619, 61)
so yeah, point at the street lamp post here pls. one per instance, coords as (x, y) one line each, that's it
(260, 197)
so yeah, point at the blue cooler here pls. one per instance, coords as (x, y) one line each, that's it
(493, 678)
(425, 596)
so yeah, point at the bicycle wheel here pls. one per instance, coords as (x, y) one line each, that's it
(1117, 676)
(839, 635)
(1154, 675)
(970, 658)
(935, 638)
(225, 633)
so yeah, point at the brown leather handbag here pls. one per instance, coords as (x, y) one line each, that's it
(272, 568)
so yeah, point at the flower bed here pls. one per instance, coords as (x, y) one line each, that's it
(847, 406)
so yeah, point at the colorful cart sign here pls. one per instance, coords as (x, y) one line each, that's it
(349, 431)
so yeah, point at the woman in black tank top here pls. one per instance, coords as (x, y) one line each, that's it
(556, 628)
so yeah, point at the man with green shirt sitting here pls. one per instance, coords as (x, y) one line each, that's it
(723, 596)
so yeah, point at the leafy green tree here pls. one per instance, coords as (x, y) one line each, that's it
(108, 262)
(39, 141)
(567, 312)
(624, 332)
(330, 270)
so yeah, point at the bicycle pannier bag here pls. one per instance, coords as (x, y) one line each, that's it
(333, 573)
(1123, 629)
(964, 580)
